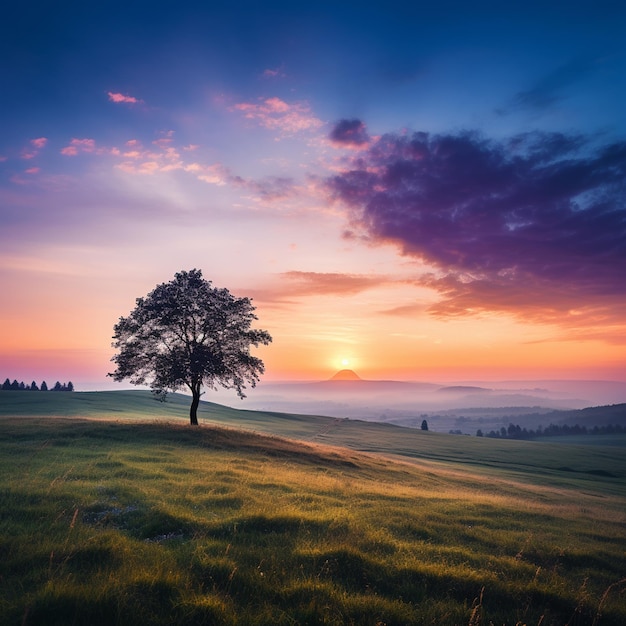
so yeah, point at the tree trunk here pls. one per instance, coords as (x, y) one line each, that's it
(195, 401)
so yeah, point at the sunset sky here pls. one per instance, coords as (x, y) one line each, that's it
(414, 190)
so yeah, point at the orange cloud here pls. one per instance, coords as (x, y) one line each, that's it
(295, 284)
(534, 300)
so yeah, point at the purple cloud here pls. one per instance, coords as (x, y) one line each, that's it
(535, 222)
(350, 134)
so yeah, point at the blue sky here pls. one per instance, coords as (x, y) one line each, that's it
(142, 138)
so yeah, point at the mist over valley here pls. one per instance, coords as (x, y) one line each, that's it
(461, 405)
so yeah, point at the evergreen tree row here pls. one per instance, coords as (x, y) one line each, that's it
(515, 431)
(15, 386)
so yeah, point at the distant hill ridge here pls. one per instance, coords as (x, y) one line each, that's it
(346, 375)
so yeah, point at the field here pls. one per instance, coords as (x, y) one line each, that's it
(114, 511)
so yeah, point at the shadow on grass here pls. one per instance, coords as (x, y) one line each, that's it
(60, 432)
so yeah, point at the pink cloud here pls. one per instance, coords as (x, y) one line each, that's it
(121, 98)
(149, 167)
(215, 174)
(276, 114)
(167, 137)
(79, 145)
(39, 143)
(171, 153)
(32, 170)
(145, 168)
(164, 157)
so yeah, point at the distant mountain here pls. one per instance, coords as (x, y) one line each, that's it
(614, 414)
(466, 405)
(346, 375)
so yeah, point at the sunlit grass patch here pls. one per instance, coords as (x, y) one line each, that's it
(154, 523)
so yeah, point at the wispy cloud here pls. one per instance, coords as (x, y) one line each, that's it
(163, 156)
(549, 89)
(289, 288)
(298, 284)
(166, 158)
(120, 98)
(274, 73)
(533, 226)
(276, 114)
(271, 188)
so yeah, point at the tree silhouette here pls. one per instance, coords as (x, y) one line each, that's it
(6, 385)
(44, 386)
(424, 425)
(186, 333)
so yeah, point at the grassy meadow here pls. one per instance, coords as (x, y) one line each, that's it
(114, 511)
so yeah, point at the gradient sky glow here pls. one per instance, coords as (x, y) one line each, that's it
(416, 192)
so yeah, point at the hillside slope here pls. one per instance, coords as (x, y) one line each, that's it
(602, 467)
(127, 521)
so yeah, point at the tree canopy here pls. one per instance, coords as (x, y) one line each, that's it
(186, 333)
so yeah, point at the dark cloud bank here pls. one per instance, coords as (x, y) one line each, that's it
(349, 133)
(533, 225)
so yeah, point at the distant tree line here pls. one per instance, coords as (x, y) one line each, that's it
(515, 431)
(15, 386)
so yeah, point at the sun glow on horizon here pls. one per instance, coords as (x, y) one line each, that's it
(342, 362)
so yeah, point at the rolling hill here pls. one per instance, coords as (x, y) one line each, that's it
(115, 511)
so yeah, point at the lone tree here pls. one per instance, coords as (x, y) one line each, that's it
(186, 333)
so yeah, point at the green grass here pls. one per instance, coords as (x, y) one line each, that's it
(131, 520)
